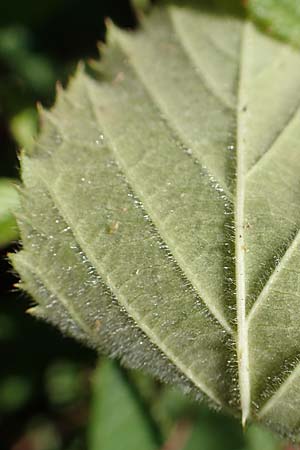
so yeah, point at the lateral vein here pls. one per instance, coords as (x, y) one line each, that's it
(167, 117)
(183, 267)
(271, 402)
(293, 247)
(207, 83)
(276, 139)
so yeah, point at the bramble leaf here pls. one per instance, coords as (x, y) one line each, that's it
(160, 210)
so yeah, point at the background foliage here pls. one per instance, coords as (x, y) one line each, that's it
(54, 393)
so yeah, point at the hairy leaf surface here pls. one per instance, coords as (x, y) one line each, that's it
(160, 213)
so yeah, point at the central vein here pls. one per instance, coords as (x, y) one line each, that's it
(242, 328)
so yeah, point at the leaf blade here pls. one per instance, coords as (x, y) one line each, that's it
(181, 234)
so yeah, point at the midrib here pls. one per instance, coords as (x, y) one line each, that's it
(242, 329)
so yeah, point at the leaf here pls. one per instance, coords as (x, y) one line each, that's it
(24, 127)
(8, 203)
(281, 18)
(117, 416)
(160, 210)
(257, 438)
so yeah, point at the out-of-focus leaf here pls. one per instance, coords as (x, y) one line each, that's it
(9, 201)
(209, 431)
(205, 437)
(24, 127)
(118, 420)
(258, 438)
(63, 382)
(210, 435)
(280, 17)
(16, 50)
(14, 392)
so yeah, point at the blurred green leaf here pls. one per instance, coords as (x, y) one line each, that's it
(63, 382)
(32, 68)
(258, 438)
(174, 404)
(24, 127)
(8, 203)
(212, 432)
(14, 392)
(281, 18)
(204, 436)
(118, 421)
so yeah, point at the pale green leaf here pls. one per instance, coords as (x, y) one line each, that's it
(160, 210)
(118, 419)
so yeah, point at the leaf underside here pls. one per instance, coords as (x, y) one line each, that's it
(8, 203)
(160, 210)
